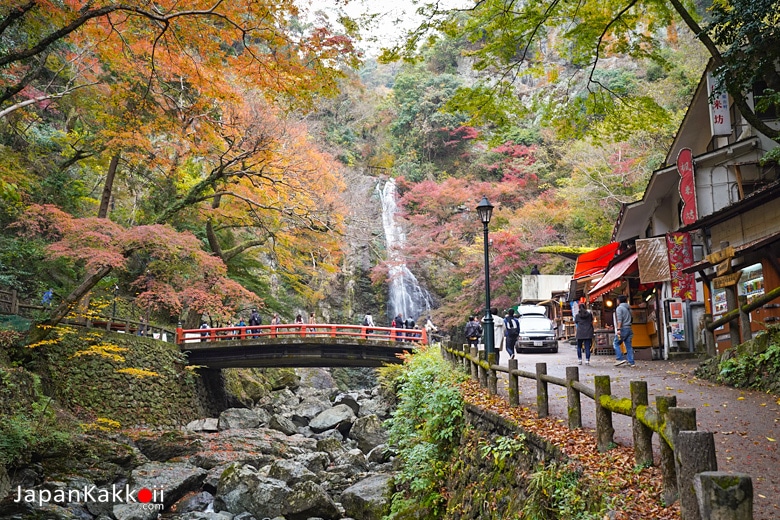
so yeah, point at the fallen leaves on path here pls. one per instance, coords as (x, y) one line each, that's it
(638, 489)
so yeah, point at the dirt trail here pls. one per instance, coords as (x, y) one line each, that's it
(746, 423)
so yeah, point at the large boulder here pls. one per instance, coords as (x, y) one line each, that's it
(368, 499)
(165, 446)
(238, 418)
(208, 425)
(283, 424)
(169, 482)
(309, 500)
(242, 489)
(339, 417)
(350, 399)
(368, 432)
(332, 447)
(291, 472)
(308, 409)
(374, 406)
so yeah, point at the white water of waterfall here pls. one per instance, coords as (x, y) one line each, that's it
(405, 295)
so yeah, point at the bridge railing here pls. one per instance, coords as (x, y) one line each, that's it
(301, 330)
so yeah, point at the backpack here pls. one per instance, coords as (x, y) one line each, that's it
(473, 329)
(512, 325)
(365, 321)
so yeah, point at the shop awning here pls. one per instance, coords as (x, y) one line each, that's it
(612, 279)
(595, 261)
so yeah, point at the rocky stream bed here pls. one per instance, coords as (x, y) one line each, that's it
(295, 455)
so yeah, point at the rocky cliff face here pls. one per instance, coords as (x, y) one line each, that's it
(351, 293)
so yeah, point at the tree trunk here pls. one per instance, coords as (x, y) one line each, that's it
(108, 187)
(44, 328)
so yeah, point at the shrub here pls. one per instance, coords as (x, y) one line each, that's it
(425, 428)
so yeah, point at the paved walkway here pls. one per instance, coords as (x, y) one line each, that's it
(746, 423)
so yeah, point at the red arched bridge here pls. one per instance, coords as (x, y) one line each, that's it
(297, 345)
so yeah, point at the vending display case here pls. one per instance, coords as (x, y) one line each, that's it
(751, 283)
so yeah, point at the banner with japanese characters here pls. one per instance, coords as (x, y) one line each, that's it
(689, 213)
(720, 118)
(681, 256)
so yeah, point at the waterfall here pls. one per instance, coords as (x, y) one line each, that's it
(405, 295)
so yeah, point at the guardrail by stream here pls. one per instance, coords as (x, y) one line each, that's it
(688, 460)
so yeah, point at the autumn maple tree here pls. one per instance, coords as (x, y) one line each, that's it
(178, 274)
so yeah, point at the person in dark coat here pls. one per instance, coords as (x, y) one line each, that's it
(472, 331)
(583, 321)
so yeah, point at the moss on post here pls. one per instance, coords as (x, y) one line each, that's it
(604, 430)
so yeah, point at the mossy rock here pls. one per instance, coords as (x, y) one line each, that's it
(101, 460)
(168, 445)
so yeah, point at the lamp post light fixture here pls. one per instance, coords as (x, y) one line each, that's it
(485, 210)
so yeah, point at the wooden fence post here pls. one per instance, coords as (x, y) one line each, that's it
(709, 336)
(473, 366)
(643, 436)
(668, 473)
(724, 496)
(542, 397)
(481, 370)
(573, 398)
(695, 452)
(492, 378)
(605, 433)
(680, 419)
(514, 386)
(467, 363)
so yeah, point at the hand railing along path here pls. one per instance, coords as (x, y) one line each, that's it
(301, 331)
(688, 460)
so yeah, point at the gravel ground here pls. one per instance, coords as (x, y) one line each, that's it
(746, 423)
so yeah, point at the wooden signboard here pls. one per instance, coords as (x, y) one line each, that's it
(726, 281)
(724, 267)
(719, 256)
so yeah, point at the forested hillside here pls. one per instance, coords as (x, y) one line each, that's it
(192, 163)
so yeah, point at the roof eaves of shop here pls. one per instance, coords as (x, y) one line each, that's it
(745, 248)
(751, 201)
(635, 216)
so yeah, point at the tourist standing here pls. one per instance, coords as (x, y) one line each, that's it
(511, 331)
(583, 321)
(623, 332)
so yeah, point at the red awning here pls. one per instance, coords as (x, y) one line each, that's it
(612, 278)
(596, 261)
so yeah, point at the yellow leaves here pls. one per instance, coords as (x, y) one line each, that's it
(740, 398)
(43, 343)
(770, 439)
(138, 372)
(104, 350)
(101, 424)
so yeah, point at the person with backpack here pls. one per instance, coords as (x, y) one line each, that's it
(255, 319)
(472, 331)
(583, 321)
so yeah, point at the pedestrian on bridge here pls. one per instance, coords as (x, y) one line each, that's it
(368, 321)
(255, 319)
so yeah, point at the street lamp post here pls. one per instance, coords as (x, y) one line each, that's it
(485, 210)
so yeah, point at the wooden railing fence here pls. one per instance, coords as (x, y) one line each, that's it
(11, 304)
(688, 460)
